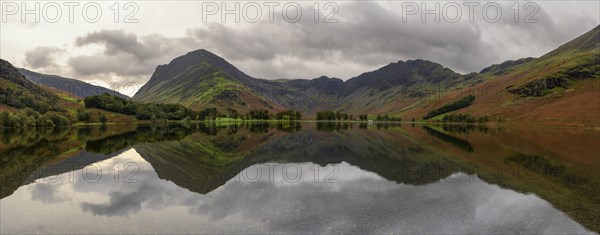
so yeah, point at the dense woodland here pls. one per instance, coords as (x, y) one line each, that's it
(464, 118)
(153, 111)
(31, 118)
(333, 116)
(339, 116)
(464, 102)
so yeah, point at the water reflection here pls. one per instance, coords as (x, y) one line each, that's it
(272, 178)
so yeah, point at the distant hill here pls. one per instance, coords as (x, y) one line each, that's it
(70, 86)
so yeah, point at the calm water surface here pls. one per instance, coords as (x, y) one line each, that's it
(309, 178)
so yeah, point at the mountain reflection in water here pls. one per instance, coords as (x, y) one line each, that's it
(300, 178)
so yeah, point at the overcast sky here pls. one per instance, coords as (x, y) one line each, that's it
(367, 35)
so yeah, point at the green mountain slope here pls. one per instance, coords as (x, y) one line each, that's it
(396, 86)
(18, 92)
(199, 80)
(561, 87)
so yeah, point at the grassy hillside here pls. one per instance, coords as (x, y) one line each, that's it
(559, 88)
(204, 85)
(18, 92)
(26, 104)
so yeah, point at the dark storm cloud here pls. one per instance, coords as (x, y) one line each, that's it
(42, 57)
(368, 35)
(121, 64)
(360, 202)
(125, 54)
(122, 203)
(367, 205)
(118, 41)
(45, 193)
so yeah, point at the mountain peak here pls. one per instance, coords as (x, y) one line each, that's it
(202, 53)
(12, 74)
(6, 68)
(402, 73)
(169, 71)
(18, 92)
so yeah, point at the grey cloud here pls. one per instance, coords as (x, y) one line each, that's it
(127, 56)
(368, 36)
(368, 205)
(45, 193)
(118, 41)
(122, 64)
(361, 202)
(126, 199)
(42, 57)
(122, 203)
(513, 40)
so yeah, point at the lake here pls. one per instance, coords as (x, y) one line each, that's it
(300, 178)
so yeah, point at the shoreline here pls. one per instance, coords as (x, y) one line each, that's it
(497, 125)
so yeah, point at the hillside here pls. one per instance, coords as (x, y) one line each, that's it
(396, 86)
(18, 92)
(70, 86)
(200, 79)
(26, 104)
(557, 88)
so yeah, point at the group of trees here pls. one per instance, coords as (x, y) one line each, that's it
(464, 118)
(85, 115)
(258, 114)
(288, 115)
(387, 118)
(464, 102)
(263, 114)
(152, 111)
(31, 118)
(139, 110)
(332, 116)
(37, 99)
